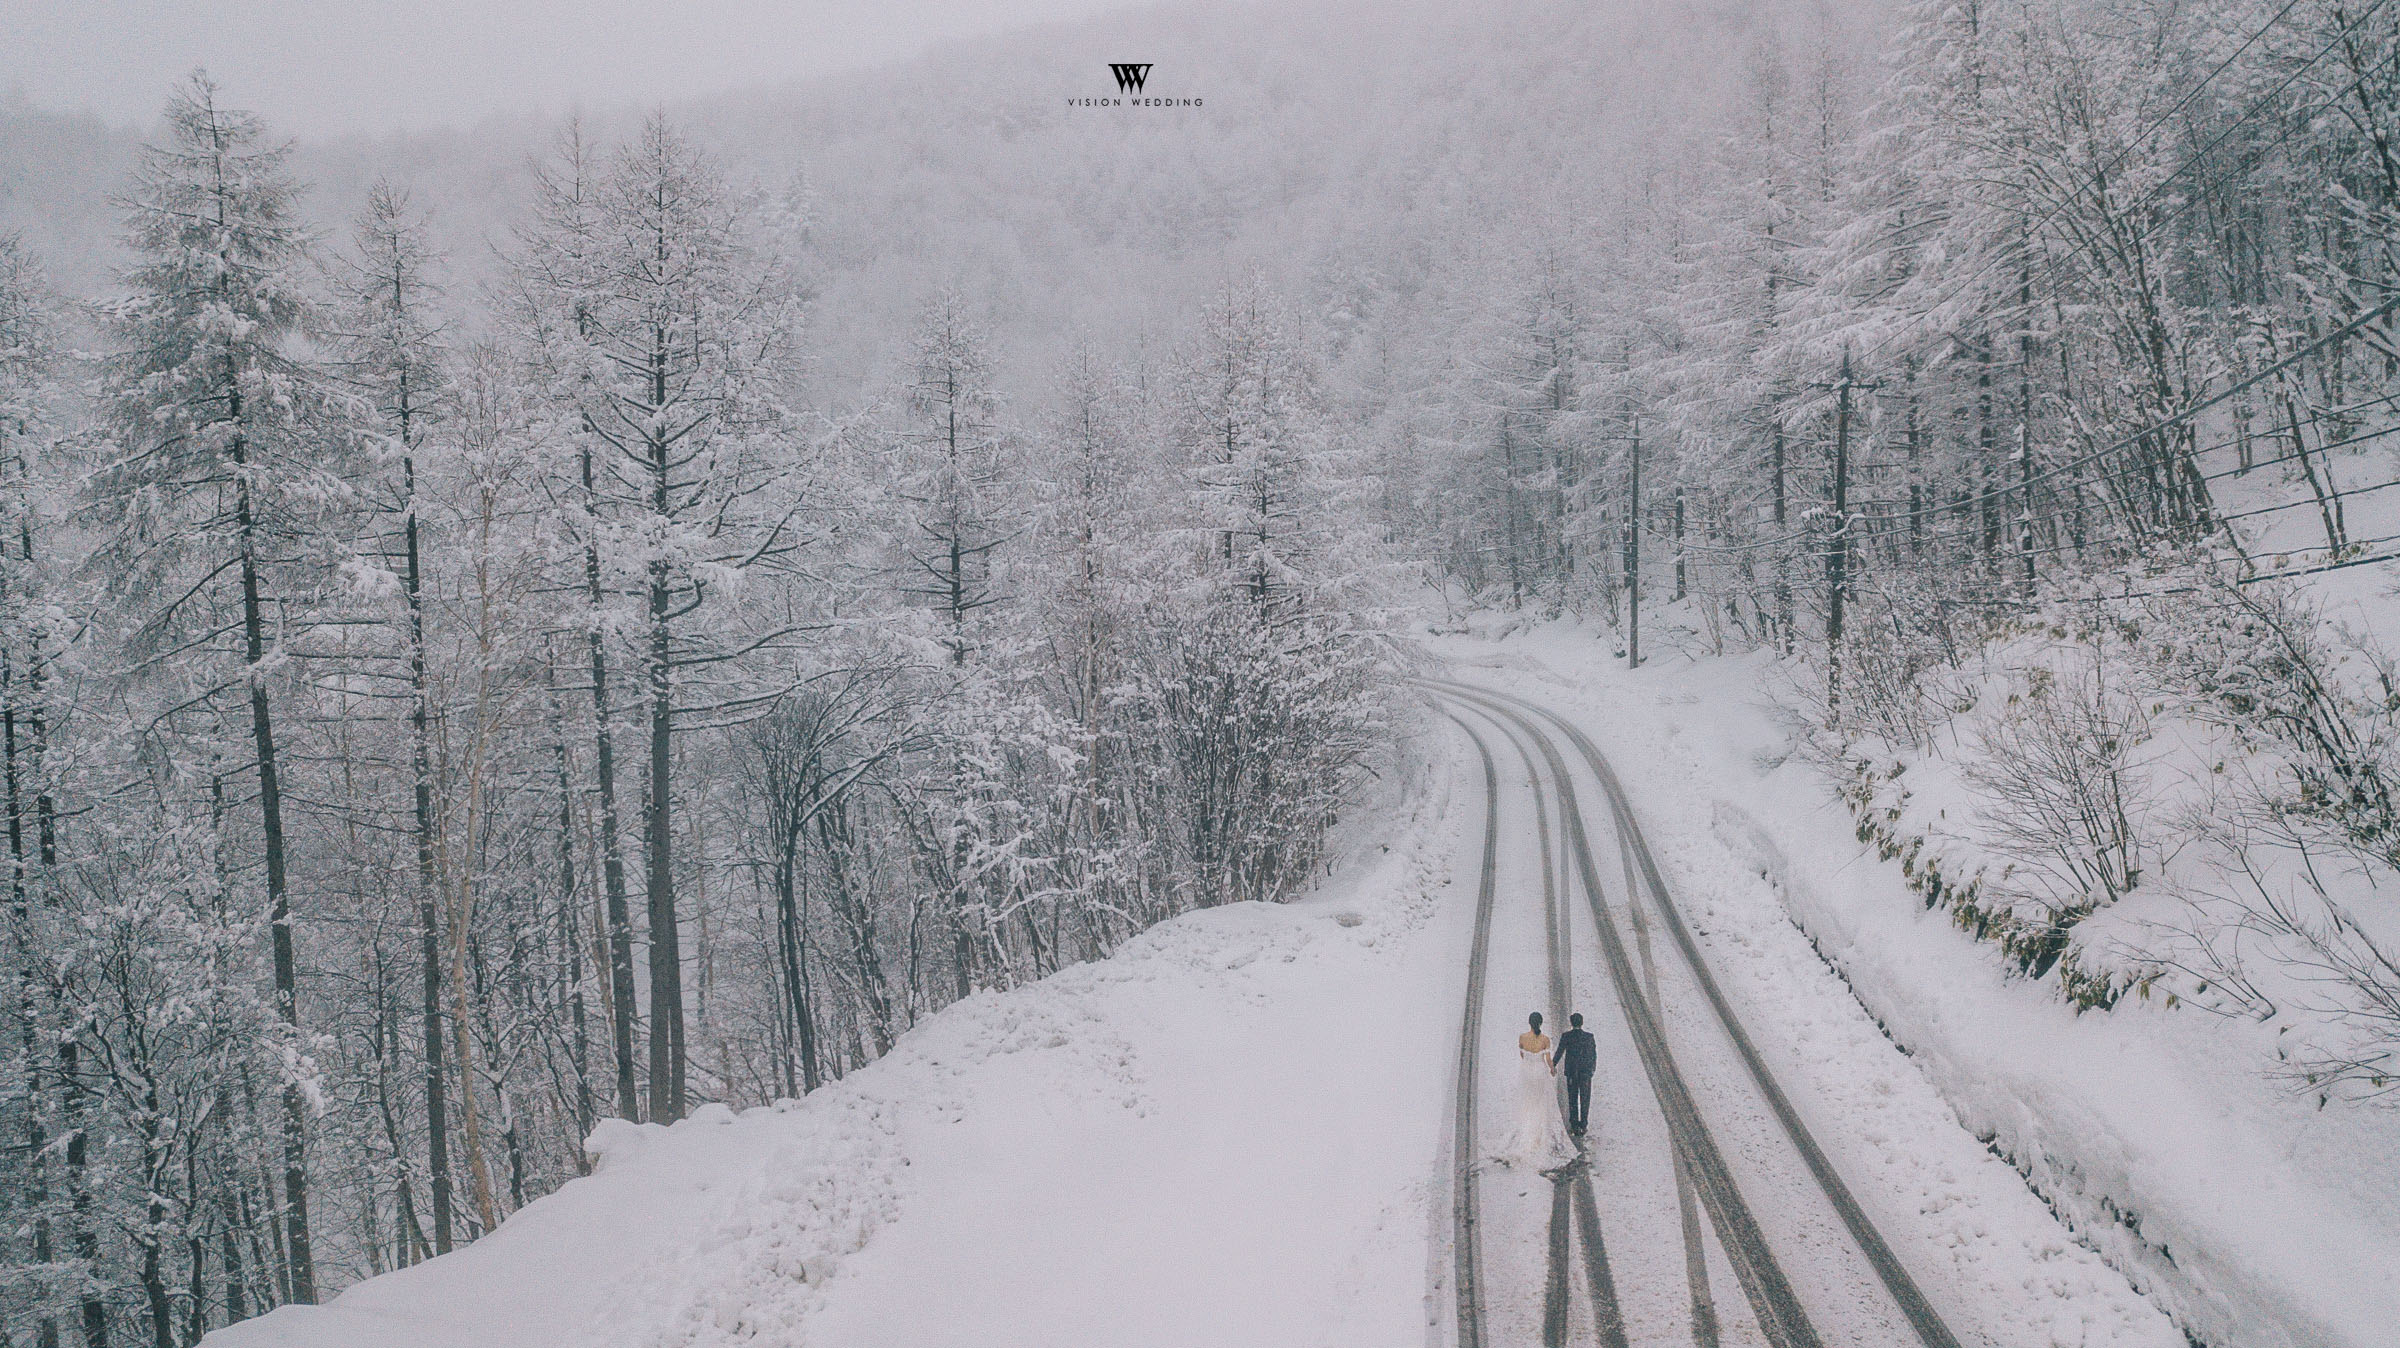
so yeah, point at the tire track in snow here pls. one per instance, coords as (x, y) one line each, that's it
(1554, 1281)
(1467, 1275)
(1777, 1307)
(1687, 1209)
(1573, 1205)
(1608, 1321)
(1919, 1312)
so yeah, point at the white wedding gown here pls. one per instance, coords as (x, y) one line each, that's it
(1537, 1135)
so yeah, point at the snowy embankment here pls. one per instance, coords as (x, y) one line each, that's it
(1223, 1134)
(2256, 1218)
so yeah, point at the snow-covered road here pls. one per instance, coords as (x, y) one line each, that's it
(2257, 1217)
(1684, 1088)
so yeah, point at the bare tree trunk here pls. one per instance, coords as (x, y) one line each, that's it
(612, 856)
(1916, 464)
(1987, 449)
(792, 956)
(1785, 619)
(470, 1115)
(1680, 573)
(1510, 512)
(833, 833)
(195, 1310)
(666, 954)
(429, 941)
(270, 807)
(79, 1193)
(570, 935)
(19, 884)
(2320, 485)
(229, 1257)
(150, 1271)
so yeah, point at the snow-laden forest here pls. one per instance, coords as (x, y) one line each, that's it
(592, 619)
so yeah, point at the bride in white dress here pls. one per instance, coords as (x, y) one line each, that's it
(1537, 1135)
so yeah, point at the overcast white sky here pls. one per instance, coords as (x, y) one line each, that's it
(315, 67)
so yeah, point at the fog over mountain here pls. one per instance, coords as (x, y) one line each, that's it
(1331, 139)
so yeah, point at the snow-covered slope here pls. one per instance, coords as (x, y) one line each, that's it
(1246, 1097)
(2256, 1218)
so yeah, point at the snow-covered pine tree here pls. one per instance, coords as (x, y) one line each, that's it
(673, 344)
(224, 494)
(949, 451)
(392, 352)
(1251, 420)
(951, 447)
(1267, 697)
(1098, 526)
(547, 303)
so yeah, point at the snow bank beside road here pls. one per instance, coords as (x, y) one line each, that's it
(1222, 1134)
(2118, 1119)
(2256, 1219)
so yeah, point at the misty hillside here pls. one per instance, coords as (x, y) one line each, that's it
(1347, 149)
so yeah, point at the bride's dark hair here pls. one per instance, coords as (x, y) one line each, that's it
(1535, 1020)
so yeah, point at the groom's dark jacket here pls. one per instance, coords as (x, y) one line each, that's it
(1578, 1053)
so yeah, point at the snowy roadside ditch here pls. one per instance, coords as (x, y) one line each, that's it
(2155, 1136)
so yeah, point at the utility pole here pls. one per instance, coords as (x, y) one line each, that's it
(2025, 418)
(1679, 572)
(1783, 560)
(1837, 556)
(1633, 548)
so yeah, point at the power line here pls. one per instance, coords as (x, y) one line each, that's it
(2283, 573)
(2024, 487)
(2332, 566)
(2335, 497)
(1875, 526)
(1881, 521)
(2180, 169)
(2086, 543)
(1878, 518)
(2171, 421)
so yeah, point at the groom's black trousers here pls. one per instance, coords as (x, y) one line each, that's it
(1579, 1102)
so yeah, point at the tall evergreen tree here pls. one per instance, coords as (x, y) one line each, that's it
(951, 448)
(231, 467)
(679, 339)
(392, 352)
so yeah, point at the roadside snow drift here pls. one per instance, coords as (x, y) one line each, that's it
(1224, 1134)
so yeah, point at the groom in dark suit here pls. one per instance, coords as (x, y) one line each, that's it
(1577, 1055)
